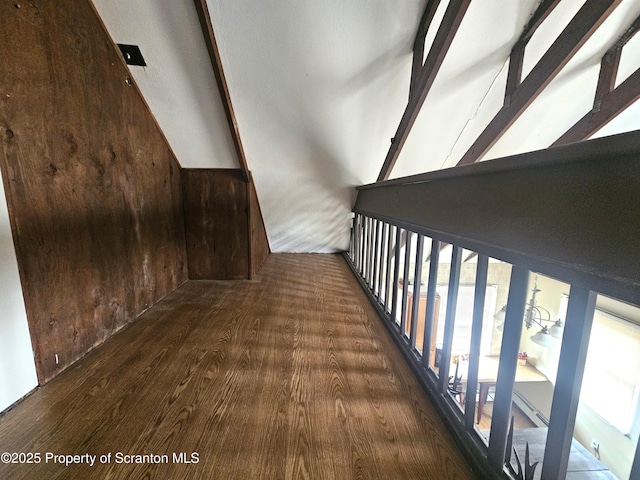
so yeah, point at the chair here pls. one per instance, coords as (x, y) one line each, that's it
(455, 385)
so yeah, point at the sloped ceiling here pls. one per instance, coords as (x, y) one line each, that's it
(319, 87)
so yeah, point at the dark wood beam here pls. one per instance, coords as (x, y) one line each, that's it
(516, 58)
(583, 196)
(607, 77)
(575, 34)
(540, 15)
(470, 256)
(610, 62)
(443, 245)
(514, 75)
(216, 63)
(418, 45)
(441, 43)
(609, 102)
(609, 107)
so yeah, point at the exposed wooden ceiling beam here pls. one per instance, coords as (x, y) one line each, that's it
(216, 63)
(441, 43)
(609, 102)
(611, 61)
(540, 15)
(610, 107)
(418, 45)
(516, 58)
(514, 75)
(470, 256)
(443, 245)
(575, 34)
(608, 72)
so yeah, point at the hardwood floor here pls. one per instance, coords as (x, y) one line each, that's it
(520, 419)
(288, 376)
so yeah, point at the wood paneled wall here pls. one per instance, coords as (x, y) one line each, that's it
(259, 243)
(226, 239)
(94, 191)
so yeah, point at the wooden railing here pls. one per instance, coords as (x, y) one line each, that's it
(570, 213)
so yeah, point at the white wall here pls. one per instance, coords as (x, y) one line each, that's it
(318, 88)
(17, 366)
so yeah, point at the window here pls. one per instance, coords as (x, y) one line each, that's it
(464, 316)
(611, 383)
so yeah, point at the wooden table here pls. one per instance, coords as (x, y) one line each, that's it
(488, 374)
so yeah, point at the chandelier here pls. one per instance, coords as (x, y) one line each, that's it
(535, 314)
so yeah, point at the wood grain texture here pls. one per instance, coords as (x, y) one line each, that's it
(216, 206)
(291, 375)
(258, 240)
(93, 189)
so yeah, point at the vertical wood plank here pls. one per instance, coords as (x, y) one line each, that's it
(216, 224)
(258, 241)
(93, 188)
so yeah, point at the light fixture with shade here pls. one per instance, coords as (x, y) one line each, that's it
(536, 315)
(544, 338)
(557, 328)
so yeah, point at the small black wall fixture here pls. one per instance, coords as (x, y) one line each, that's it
(132, 55)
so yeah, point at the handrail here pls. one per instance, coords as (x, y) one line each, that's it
(569, 212)
(621, 145)
(573, 211)
(371, 249)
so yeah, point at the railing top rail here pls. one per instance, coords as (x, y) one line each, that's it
(621, 145)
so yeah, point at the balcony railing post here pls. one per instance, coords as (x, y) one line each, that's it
(431, 302)
(382, 261)
(396, 277)
(356, 241)
(405, 282)
(450, 317)
(476, 340)
(417, 277)
(573, 355)
(362, 245)
(369, 250)
(387, 276)
(376, 257)
(635, 467)
(518, 287)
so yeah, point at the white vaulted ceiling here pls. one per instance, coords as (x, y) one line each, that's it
(319, 87)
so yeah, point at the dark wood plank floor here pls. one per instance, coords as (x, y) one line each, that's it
(288, 376)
